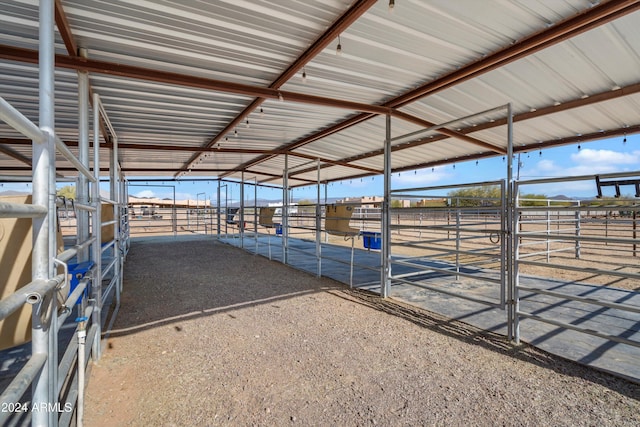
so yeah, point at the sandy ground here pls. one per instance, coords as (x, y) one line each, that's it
(211, 335)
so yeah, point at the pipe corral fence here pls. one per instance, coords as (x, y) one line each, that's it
(441, 242)
(510, 246)
(59, 312)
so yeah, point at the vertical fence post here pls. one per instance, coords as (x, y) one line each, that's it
(385, 253)
(548, 231)
(511, 212)
(43, 392)
(326, 192)
(218, 211)
(578, 227)
(458, 225)
(241, 216)
(174, 214)
(82, 191)
(503, 244)
(255, 209)
(96, 225)
(285, 210)
(635, 215)
(318, 224)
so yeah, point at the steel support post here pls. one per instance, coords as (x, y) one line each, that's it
(285, 210)
(124, 192)
(96, 225)
(44, 242)
(578, 222)
(174, 214)
(114, 179)
(503, 244)
(326, 194)
(241, 224)
(318, 225)
(82, 191)
(218, 210)
(385, 253)
(511, 241)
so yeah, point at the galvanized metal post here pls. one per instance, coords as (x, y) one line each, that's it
(318, 225)
(511, 242)
(548, 231)
(503, 243)
(174, 214)
(226, 210)
(385, 273)
(285, 210)
(43, 387)
(125, 199)
(114, 175)
(458, 236)
(241, 225)
(82, 191)
(578, 220)
(96, 225)
(218, 210)
(326, 191)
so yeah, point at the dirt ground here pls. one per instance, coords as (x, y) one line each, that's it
(211, 335)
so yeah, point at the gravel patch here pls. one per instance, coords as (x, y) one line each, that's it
(211, 335)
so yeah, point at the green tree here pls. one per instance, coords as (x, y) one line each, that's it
(485, 195)
(68, 192)
(306, 206)
(396, 204)
(533, 200)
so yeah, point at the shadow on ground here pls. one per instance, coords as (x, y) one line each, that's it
(171, 279)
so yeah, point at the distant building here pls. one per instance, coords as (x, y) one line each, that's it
(293, 208)
(368, 202)
(431, 203)
(167, 203)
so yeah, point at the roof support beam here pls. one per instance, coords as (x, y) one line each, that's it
(79, 63)
(13, 53)
(341, 24)
(546, 144)
(161, 147)
(72, 48)
(585, 21)
(576, 103)
(540, 112)
(64, 29)
(157, 147)
(14, 154)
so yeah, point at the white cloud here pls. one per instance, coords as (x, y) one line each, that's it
(420, 177)
(585, 162)
(546, 165)
(604, 158)
(145, 193)
(590, 162)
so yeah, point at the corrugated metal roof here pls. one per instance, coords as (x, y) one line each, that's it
(576, 84)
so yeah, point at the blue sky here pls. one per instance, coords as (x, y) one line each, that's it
(604, 156)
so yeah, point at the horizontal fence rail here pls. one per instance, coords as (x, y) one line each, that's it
(593, 241)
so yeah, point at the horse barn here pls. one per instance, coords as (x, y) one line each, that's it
(454, 304)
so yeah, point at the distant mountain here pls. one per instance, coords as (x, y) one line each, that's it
(563, 197)
(266, 202)
(14, 193)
